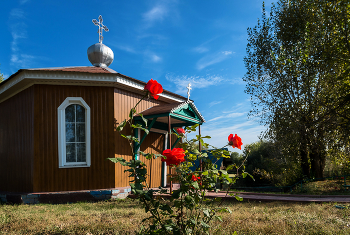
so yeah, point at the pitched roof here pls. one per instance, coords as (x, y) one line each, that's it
(84, 75)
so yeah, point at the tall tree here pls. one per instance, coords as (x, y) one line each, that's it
(1, 77)
(298, 78)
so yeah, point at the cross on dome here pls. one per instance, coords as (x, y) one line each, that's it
(101, 27)
(189, 90)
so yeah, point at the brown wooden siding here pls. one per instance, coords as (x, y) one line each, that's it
(16, 142)
(124, 101)
(47, 175)
(153, 143)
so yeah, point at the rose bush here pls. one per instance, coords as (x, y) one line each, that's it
(186, 210)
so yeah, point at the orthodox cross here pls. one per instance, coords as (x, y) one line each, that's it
(101, 27)
(189, 90)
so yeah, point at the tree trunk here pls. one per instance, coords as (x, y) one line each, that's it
(317, 154)
(304, 156)
(304, 162)
(317, 163)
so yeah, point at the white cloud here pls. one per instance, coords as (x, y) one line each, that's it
(196, 81)
(155, 58)
(214, 103)
(23, 1)
(6, 75)
(201, 49)
(227, 116)
(18, 32)
(160, 11)
(249, 131)
(152, 57)
(126, 48)
(238, 81)
(22, 60)
(227, 52)
(156, 13)
(16, 14)
(213, 59)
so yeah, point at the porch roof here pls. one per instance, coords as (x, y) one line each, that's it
(180, 114)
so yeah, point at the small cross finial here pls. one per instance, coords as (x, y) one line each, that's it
(101, 27)
(189, 90)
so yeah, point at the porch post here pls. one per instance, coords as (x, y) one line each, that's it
(200, 146)
(169, 143)
(164, 169)
(136, 145)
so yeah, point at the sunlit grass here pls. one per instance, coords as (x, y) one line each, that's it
(325, 187)
(125, 216)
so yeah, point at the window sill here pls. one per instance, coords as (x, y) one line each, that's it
(74, 166)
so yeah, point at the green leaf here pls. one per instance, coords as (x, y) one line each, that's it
(207, 137)
(205, 225)
(225, 210)
(121, 126)
(238, 198)
(206, 212)
(132, 112)
(143, 119)
(145, 130)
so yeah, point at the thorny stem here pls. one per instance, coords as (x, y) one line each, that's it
(231, 183)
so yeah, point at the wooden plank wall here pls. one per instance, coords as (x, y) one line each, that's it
(47, 175)
(124, 101)
(153, 143)
(16, 142)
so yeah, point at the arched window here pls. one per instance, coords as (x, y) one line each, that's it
(74, 133)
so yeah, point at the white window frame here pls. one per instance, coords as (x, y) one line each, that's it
(62, 133)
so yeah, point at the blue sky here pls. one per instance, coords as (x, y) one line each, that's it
(174, 42)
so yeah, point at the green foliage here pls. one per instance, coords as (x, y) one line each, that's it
(338, 162)
(1, 77)
(269, 166)
(298, 78)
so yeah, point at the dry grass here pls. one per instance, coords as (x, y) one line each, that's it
(286, 218)
(124, 217)
(110, 217)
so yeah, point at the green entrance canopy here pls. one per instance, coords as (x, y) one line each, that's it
(165, 119)
(183, 114)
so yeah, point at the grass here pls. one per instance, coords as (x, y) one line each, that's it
(124, 217)
(325, 187)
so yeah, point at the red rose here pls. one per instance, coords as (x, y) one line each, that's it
(195, 178)
(180, 131)
(235, 141)
(174, 157)
(154, 88)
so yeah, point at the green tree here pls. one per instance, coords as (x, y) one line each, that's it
(298, 78)
(1, 77)
(268, 165)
